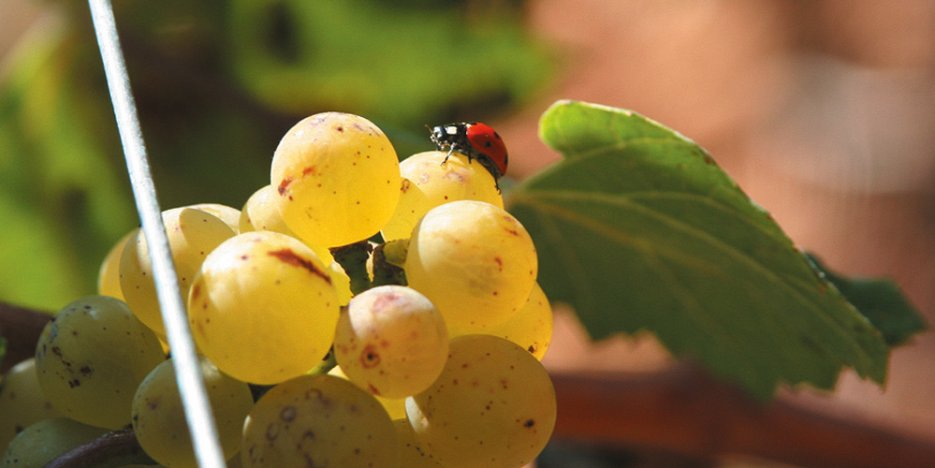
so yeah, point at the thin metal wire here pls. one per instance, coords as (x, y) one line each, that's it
(187, 369)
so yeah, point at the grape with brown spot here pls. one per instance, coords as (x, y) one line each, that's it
(318, 420)
(503, 417)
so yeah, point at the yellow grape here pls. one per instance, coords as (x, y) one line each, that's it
(391, 342)
(192, 235)
(108, 276)
(261, 212)
(159, 418)
(493, 405)
(46, 440)
(22, 402)
(395, 407)
(337, 177)
(91, 357)
(318, 420)
(230, 215)
(342, 282)
(428, 183)
(411, 453)
(474, 261)
(263, 307)
(531, 327)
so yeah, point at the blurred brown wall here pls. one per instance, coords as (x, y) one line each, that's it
(824, 111)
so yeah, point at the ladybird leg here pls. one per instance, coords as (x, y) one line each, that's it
(493, 171)
(450, 150)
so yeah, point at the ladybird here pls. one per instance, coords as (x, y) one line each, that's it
(476, 140)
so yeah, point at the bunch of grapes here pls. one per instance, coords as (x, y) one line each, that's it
(309, 356)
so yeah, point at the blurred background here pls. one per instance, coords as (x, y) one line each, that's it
(822, 110)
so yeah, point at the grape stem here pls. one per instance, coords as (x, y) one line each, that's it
(353, 259)
(115, 448)
(388, 260)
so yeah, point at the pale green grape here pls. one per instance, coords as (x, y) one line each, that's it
(411, 453)
(108, 276)
(192, 235)
(235, 462)
(337, 177)
(91, 357)
(474, 261)
(228, 214)
(318, 420)
(493, 405)
(391, 342)
(21, 401)
(46, 440)
(263, 307)
(428, 183)
(159, 418)
(531, 327)
(395, 407)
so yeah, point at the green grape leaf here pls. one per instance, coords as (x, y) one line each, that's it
(880, 300)
(638, 229)
(396, 63)
(61, 200)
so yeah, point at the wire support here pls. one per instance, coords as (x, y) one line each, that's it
(187, 369)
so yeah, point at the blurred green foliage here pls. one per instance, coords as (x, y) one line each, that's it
(217, 83)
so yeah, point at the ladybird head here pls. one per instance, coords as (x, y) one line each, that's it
(445, 136)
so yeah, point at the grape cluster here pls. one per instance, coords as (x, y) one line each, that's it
(308, 360)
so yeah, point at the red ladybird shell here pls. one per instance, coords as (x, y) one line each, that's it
(487, 141)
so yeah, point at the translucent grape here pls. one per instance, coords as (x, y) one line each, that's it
(395, 407)
(46, 440)
(493, 405)
(21, 401)
(192, 235)
(337, 177)
(230, 215)
(318, 420)
(263, 307)
(531, 327)
(474, 261)
(428, 183)
(342, 282)
(261, 212)
(108, 276)
(391, 341)
(91, 357)
(159, 419)
(411, 453)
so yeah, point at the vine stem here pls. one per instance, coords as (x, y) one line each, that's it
(114, 448)
(686, 411)
(21, 327)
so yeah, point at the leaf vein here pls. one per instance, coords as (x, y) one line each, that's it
(727, 249)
